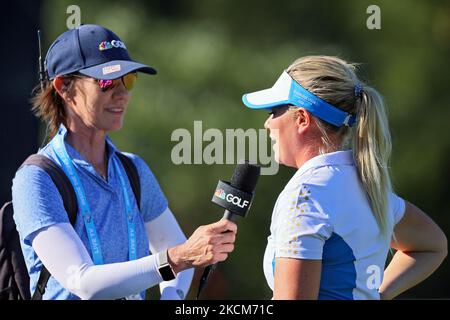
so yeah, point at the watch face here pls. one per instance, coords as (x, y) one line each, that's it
(166, 273)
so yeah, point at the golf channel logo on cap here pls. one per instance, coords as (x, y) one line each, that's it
(105, 45)
(220, 193)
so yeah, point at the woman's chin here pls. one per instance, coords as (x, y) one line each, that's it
(115, 126)
(276, 152)
(280, 160)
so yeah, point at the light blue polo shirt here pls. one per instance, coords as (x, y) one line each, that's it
(38, 204)
(323, 214)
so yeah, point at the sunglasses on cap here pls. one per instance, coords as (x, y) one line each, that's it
(128, 81)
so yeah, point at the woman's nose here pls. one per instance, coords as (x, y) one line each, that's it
(120, 91)
(267, 123)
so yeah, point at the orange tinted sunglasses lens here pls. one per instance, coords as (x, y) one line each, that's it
(128, 81)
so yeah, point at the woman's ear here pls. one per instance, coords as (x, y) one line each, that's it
(302, 119)
(61, 86)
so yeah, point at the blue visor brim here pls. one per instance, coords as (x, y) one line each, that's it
(287, 91)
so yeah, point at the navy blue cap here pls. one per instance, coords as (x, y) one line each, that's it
(91, 50)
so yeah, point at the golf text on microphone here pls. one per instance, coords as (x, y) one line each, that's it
(232, 199)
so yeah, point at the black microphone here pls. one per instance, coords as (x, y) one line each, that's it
(236, 198)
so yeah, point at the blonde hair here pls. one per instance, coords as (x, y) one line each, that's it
(334, 80)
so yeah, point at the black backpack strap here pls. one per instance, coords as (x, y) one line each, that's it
(61, 182)
(41, 284)
(16, 285)
(133, 176)
(69, 197)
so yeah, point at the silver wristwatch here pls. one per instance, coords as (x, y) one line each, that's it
(164, 268)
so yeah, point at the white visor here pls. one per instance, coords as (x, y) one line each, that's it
(268, 98)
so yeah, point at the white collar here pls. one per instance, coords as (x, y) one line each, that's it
(332, 158)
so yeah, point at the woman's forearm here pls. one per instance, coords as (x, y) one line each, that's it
(408, 269)
(164, 232)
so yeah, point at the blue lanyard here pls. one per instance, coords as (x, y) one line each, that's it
(132, 243)
(85, 209)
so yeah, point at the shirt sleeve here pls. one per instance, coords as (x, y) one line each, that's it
(303, 226)
(153, 200)
(37, 202)
(164, 232)
(66, 258)
(398, 206)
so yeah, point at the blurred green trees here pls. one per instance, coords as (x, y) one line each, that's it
(208, 53)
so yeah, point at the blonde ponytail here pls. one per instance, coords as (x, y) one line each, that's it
(371, 151)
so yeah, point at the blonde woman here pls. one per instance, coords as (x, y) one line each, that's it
(334, 222)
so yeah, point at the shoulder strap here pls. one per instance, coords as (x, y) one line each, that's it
(133, 176)
(60, 180)
(69, 197)
(14, 279)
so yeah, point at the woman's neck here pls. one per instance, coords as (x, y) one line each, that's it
(90, 143)
(311, 145)
(306, 154)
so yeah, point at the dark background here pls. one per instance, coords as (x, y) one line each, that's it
(208, 53)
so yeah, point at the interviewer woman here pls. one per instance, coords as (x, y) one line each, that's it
(337, 217)
(106, 254)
